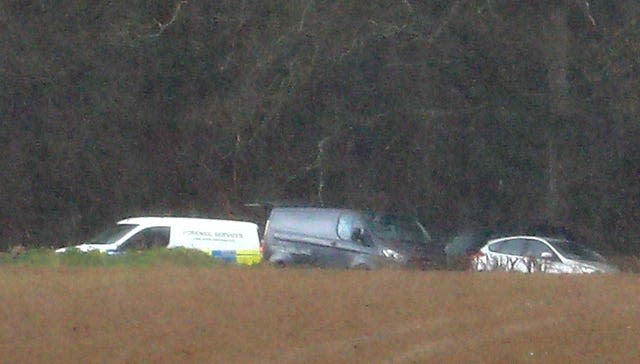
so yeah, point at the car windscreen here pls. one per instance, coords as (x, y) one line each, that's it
(112, 235)
(396, 228)
(576, 251)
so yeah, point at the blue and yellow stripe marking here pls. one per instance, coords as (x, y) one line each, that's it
(244, 257)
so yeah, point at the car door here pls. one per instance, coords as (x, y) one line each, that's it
(508, 255)
(541, 258)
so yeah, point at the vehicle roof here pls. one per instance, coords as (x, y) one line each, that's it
(546, 238)
(313, 221)
(337, 210)
(288, 213)
(168, 221)
(326, 210)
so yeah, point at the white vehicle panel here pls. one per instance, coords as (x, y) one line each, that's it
(488, 260)
(229, 239)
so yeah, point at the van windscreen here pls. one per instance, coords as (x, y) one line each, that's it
(396, 228)
(112, 234)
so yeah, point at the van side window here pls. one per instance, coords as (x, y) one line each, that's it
(346, 224)
(155, 237)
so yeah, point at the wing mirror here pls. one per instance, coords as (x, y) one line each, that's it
(361, 236)
(357, 234)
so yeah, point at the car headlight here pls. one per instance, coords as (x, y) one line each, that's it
(390, 253)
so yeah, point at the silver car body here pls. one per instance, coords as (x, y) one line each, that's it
(530, 254)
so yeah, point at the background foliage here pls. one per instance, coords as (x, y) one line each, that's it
(497, 112)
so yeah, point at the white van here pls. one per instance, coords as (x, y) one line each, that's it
(234, 241)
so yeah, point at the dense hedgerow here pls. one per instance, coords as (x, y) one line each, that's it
(74, 258)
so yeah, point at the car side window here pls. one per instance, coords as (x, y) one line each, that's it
(148, 238)
(510, 247)
(535, 249)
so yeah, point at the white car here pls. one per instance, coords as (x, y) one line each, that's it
(234, 241)
(529, 254)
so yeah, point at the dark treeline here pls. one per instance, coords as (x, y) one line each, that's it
(493, 112)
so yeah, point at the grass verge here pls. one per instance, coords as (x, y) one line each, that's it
(75, 258)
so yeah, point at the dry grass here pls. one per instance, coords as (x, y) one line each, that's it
(256, 315)
(626, 263)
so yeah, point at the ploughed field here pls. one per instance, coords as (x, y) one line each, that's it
(263, 314)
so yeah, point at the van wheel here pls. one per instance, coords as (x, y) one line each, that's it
(280, 264)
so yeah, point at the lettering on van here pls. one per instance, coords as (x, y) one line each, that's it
(218, 235)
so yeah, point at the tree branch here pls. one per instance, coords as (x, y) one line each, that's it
(163, 26)
(321, 170)
(587, 11)
(406, 2)
(438, 30)
(304, 12)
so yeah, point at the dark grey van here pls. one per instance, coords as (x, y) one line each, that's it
(344, 238)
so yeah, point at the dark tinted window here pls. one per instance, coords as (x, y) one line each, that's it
(112, 235)
(511, 247)
(148, 238)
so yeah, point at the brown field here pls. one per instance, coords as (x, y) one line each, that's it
(266, 315)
